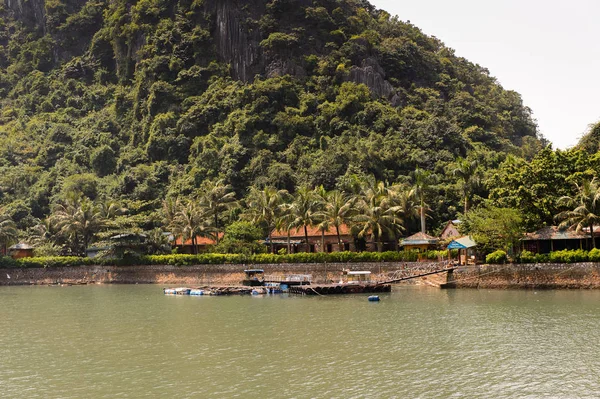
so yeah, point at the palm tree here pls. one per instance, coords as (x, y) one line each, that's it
(263, 207)
(322, 223)
(8, 232)
(110, 209)
(215, 198)
(337, 211)
(405, 199)
(423, 180)
(41, 232)
(285, 220)
(78, 219)
(585, 208)
(191, 221)
(304, 209)
(467, 173)
(377, 214)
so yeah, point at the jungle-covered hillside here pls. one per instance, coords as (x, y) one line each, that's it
(139, 101)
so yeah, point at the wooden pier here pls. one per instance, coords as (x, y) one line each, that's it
(337, 289)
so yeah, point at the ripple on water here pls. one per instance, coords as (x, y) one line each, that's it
(131, 341)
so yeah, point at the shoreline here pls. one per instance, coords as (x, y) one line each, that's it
(529, 276)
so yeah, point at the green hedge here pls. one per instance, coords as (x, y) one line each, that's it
(564, 256)
(213, 258)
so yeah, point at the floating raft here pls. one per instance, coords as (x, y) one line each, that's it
(338, 289)
(226, 290)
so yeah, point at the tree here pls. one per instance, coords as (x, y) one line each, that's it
(377, 214)
(191, 221)
(584, 208)
(8, 232)
(241, 237)
(78, 219)
(337, 210)
(406, 199)
(493, 228)
(468, 177)
(263, 207)
(304, 210)
(322, 223)
(215, 198)
(103, 160)
(423, 179)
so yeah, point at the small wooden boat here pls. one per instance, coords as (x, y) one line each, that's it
(254, 277)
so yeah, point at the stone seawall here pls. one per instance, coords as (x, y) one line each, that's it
(538, 276)
(530, 276)
(195, 275)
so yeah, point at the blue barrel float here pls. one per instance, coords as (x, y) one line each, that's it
(374, 298)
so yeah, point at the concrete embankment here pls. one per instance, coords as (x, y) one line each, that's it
(197, 275)
(529, 276)
(538, 276)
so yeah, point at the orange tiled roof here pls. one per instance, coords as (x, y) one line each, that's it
(199, 240)
(312, 232)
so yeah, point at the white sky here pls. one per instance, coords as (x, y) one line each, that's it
(546, 50)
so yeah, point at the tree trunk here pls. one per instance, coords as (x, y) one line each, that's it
(337, 230)
(289, 244)
(322, 240)
(217, 227)
(379, 245)
(423, 227)
(593, 236)
(271, 240)
(306, 238)
(466, 203)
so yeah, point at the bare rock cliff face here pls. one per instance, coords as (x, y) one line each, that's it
(30, 12)
(239, 45)
(372, 74)
(236, 45)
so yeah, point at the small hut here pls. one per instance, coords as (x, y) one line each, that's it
(20, 250)
(466, 255)
(420, 242)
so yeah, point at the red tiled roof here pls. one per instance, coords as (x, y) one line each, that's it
(199, 240)
(312, 232)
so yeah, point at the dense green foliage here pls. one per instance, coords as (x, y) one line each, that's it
(138, 101)
(496, 257)
(564, 256)
(215, 258)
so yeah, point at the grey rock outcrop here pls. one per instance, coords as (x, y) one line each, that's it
(372, 75)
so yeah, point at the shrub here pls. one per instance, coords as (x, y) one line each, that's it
(566, 256)
(528, 257)
(594, 255)
(496, 257)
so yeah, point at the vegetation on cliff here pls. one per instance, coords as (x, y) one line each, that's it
(142, 101)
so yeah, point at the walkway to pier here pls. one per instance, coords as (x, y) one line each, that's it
(371, 286)
(409, 274)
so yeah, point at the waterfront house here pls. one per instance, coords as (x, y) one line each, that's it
(20, 250)
(551, 238)
(317, 241)
(420, 241)
(450, 231)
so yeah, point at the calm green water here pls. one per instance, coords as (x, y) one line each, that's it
(134, 342)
